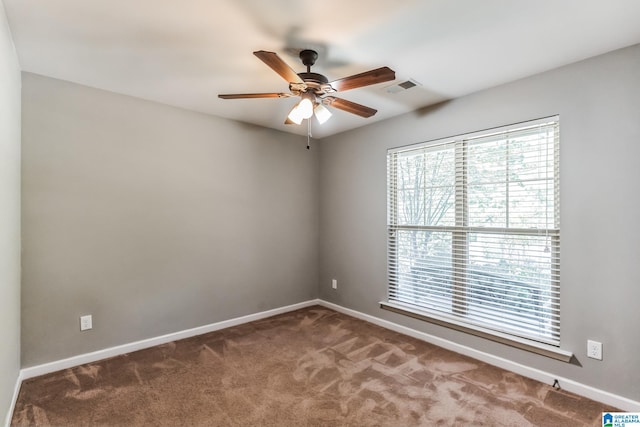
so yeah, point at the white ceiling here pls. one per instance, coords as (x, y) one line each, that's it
(184, 53)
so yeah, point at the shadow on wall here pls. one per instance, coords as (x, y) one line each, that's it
(429, 109)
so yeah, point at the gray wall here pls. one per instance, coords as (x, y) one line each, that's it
(598, 101)
(155, 219)
(9, 216)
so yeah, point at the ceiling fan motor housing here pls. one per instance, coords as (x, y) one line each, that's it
(313, 77)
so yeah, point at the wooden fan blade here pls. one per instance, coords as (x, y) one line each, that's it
(352, 107)
(254, 95)
(379, 75)
(279, 66)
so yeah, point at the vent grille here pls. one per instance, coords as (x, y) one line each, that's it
(402, 86)
(407, 85)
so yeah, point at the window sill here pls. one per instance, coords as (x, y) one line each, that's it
(521, 343)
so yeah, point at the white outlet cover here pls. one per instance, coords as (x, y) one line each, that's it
(86, 322)
(594, 349)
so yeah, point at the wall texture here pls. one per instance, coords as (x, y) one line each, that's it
(9, 216)
(598, 101)
(155, 219)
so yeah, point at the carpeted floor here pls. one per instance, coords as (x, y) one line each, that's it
(311, 367)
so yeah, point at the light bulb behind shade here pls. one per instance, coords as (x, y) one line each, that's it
(322, 113)
(296, 114)
(306, 108)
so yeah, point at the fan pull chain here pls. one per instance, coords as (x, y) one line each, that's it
(308, 132)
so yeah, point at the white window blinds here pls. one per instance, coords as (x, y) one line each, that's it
(473, 225)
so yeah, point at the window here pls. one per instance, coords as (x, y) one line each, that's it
(473, 230)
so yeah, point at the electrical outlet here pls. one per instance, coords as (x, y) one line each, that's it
(86, 322)
(334, 284)
(594, 349)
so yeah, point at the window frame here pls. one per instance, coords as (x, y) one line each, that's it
(460, 234)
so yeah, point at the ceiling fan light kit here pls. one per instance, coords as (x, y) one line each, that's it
(314, 89)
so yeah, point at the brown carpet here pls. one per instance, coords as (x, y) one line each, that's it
(311, 367)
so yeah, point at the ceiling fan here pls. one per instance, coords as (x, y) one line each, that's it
(314, 89)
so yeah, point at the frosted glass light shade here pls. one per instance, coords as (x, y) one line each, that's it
(322, 113)
(296, 115)
(306, 108)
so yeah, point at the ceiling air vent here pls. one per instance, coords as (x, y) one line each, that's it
(402, 86)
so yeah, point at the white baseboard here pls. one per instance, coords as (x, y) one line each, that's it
(14, 399)
(526, 371)
(536, 374)
(81, 359)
